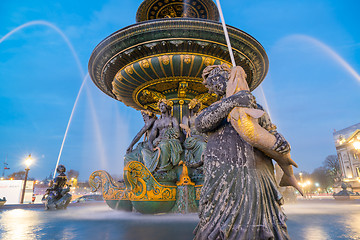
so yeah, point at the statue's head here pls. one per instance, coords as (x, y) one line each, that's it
(195, 104)
(61, 169)
(147, 114)
(215, 78)
(164, 105)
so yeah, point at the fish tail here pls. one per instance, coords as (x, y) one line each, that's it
(290, 181)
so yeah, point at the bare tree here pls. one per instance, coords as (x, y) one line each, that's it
(72, 174)
(321, 175)
(332, 166)
(20, 175)
(17, 175)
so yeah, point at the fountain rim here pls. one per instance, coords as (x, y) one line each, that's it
(106, 44)
(171, 19)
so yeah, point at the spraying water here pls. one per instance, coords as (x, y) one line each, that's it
(52, 26)
(64, 37)
(265, 101)
(231, 51)
(226, 34)
(68, 125)
(327, 49)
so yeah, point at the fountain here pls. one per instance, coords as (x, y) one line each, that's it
(345, 195)
(156, 65)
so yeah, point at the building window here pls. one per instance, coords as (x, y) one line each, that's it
(358, 171)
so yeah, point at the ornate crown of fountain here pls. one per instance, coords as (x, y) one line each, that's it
(164, 53)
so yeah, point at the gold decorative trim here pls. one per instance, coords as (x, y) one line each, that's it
(192, 63)
(139, 179)
(189, 39)
(110, 189)
(140, 88)
(198, 192)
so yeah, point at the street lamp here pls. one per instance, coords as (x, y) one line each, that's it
(28, 162)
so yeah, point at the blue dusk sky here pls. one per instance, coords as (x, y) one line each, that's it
(312, 86)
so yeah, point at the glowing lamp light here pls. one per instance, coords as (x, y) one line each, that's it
(28, 161)
(356, 145)
(317, 185)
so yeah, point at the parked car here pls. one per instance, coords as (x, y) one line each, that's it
(87, 198)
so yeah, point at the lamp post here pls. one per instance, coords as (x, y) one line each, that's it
(28, 162)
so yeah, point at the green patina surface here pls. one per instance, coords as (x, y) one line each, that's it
(123, 205)
(153, 207)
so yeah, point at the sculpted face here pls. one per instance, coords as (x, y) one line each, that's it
(216, 84)
(163, 107)
(145, 116)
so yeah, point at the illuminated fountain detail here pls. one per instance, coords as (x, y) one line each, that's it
(161, 58)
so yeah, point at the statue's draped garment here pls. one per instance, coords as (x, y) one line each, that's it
(239, 198)
(169, 154)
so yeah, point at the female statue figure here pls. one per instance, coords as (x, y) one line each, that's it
(195, 141)
(239, 198)
(164, 147)
(135, 155)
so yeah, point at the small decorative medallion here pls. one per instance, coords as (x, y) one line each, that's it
(118, 77)
(187, 59)
(209, 61)
(145, 64)
(129, 70)
(165, 60)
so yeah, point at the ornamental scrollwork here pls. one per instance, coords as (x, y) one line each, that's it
(144, 187)
(111, 190)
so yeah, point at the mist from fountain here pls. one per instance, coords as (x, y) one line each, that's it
(98, 134)
(334, 55)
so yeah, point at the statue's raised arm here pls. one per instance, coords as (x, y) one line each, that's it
(149, 119)
(215, 79)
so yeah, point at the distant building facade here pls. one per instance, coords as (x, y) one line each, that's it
(347, 143)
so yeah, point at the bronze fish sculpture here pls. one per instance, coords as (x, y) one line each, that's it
(245, 122)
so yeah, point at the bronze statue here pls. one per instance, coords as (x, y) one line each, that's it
(164, 146)
(239, 198)
(57, 196)
(135, 155)
(195, 142)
